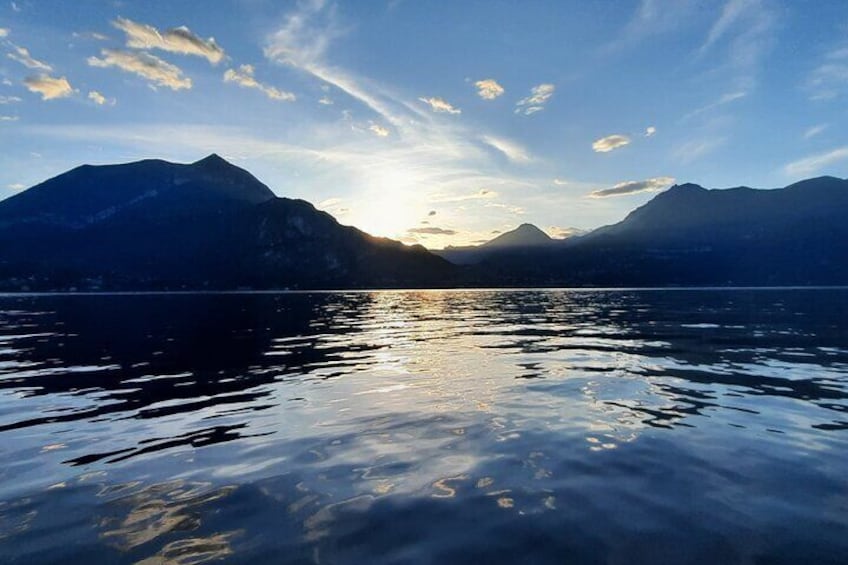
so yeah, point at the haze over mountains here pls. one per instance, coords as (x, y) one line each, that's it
(211, 225)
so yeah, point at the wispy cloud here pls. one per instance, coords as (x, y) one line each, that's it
(512, 150)
(49, 87)
(8, 118)
(610, 143)
(650, 131)
(175, 40)
(482, 194)
(558, 232)
(488, 89)
(651, 18)
(726, 98)
(9, 99)
(145, 65)
(244, 76)
(378, 130)
(4, 32)
(829, 78)
(632, 187)
(431, 231)
(814, 130)
(539, 96)
(694, 149)
(815, 163)
(22, 56)
(90, 35)
(99, 99)
(440, 105)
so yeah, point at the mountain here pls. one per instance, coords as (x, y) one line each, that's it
(524, 236)
(689, 235)
(209, 224)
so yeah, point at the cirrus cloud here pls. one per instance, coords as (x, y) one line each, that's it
(440, 105)
(244, 77)
(610, 143)
(22, 56)
(145, 65)
(539, 95)
(632, 187)
(175, 40)
(814, 163)
(431, 231)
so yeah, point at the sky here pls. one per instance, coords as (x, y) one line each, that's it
(440, 123)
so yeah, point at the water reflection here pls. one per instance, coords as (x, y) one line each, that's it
(352, 426)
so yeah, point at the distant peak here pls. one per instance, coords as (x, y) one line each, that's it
(523, 235)
(687, 186)
(212, 160)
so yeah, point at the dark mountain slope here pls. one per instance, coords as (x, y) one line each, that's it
(154, 224)
(523, 237)
(689, 235)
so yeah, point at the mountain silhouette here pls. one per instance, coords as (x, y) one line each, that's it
(689, 235)
(155, 225)
(209, 224)
(524, 236)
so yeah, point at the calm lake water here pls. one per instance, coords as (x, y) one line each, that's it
(606, 427)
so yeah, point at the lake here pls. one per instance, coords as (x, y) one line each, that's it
(615, 427)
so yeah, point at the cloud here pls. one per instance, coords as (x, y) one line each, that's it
(244, 77)
(440, 105)
(539, 95)
(488, 89)
(431, 213)
(9, 118)
(814, 130)
(90, 35)
(175, 40)
(633, 187)
(482, 194)
(9, 99)
(813, 164)
(557, 232)
(650, 131)
(99, 99)
(431, 231)
(145, 65)
(4, 32)
(326, 101)
(378, 130)
(726, 98)
(513, 151)
(22, 56)
(16, 186)
(610, 143)
(49, 87)
(697, 148)
(561, 182)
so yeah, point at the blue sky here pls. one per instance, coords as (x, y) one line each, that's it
(434, 122)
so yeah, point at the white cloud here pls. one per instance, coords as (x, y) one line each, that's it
(440, 105)
(4, 32)
(726, 98)
(9, 99)
(49, 87)
(814, 130)
(145, 65)
(90, 35)
(175, 40)
(431, 231)
(482, 194)
(650, 131)
(512, 150)
(99, 99)
(697, 148)
(378, 130)
(610, 143)
(539, 95)
(9, 118)
(633, 187)
(558, 232)
(561, 182)
(488, 89)
(16, 186)
(244, 77)
(22, 56)
(326, 101)
(815, 163)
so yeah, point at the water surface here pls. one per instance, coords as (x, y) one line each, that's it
(702, 426)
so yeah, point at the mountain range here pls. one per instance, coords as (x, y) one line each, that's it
(155, 225)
